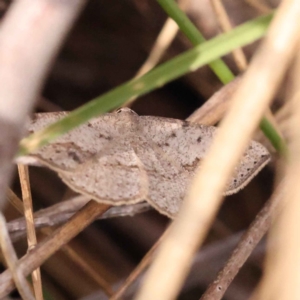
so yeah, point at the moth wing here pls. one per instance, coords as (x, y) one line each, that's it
(187, 144)
(76, 146)
(183, 142)
(167, 181)
(253, 161)
(115, 177)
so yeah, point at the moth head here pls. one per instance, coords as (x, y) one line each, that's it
(125, 110)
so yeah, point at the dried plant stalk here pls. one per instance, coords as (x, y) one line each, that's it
(71, 253)
(282, 276)
(23, 67)
(22, 73)
(31, 236)
(52, 243)
(14, 200)
(223, 19)
(209, 114)
(247, 244)
(215, 107)
(61, 212)
(162, 43)
(12, 262)
(165, 277)
(147, 259)
(83, 265)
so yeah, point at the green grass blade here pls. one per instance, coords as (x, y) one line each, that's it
(195, 36)
(218, 66)
(276, 140)
(178, 66)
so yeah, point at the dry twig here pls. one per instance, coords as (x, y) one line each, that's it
(213, 110)
(282, 276)
(12, 261)
(81, 262)
(245, 247)
(144, 263)
(165, 278)
(22, 73)
(23, 67)
(61, 212)
(71, 253)
(31, 236)
(210, 258)
(209, 114)
(162, 43)
(223, 19)
(52, 243)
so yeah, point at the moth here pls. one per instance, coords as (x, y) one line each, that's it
(122, 158)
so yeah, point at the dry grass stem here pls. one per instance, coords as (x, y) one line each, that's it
(71, 253)
(282, 276)
(23, 67)
(199, 116)
(14, 200)
(223, 19)
(83, 265)
(188, 231)
(31, 236)
(52, 243)
(51, 216)
(61, 212)
(238, 54)
(213, 110)
(162, 43)
(144, 263)
(210, 257)
(11, 260)
(245, 247)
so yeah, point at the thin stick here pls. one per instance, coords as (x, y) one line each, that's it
(52, 243)
(222, 17)
(162, 43)
(188, 231)
(282, 276)
(31, 236)
(25, 57)
(14, 200)
(22, 75)
(203, 115)
(74, 256)
(245, 247)
(12, 262)
(61, 212)
(144, 263)
(238, 54)
(215, 107)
